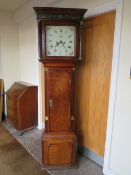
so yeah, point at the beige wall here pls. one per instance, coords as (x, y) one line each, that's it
(9, 49)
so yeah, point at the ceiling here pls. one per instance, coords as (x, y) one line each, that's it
(11, 4)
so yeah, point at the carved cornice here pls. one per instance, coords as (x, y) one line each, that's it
(44, 13)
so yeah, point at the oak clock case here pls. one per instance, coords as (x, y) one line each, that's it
(59, 51)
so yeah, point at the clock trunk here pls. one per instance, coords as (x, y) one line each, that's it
(59, 84)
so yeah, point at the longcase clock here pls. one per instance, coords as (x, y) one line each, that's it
(59, 51)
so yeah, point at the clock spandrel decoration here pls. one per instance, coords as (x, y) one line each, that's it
(59, 31)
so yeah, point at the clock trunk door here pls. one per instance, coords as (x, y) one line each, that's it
(59, 99)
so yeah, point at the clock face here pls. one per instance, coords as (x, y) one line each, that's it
(60, 40)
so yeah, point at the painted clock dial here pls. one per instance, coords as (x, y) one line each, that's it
(60, 40)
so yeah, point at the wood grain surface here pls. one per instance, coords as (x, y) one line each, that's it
(94, 82)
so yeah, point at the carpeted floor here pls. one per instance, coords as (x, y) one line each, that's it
(14, 158)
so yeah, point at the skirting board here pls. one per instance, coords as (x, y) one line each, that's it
(91, 155)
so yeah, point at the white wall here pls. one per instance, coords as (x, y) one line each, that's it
(88, 4)
(29, 65)
(121, 142)
(120, 161)
(28, 51)
(9, 49)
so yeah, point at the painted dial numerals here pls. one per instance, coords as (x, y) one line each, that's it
(60, 40)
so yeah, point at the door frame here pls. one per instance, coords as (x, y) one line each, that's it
(118, 6)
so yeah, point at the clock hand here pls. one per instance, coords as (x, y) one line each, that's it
(57, 44)
(63, 44)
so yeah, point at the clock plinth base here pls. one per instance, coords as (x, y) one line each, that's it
(59, 150)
